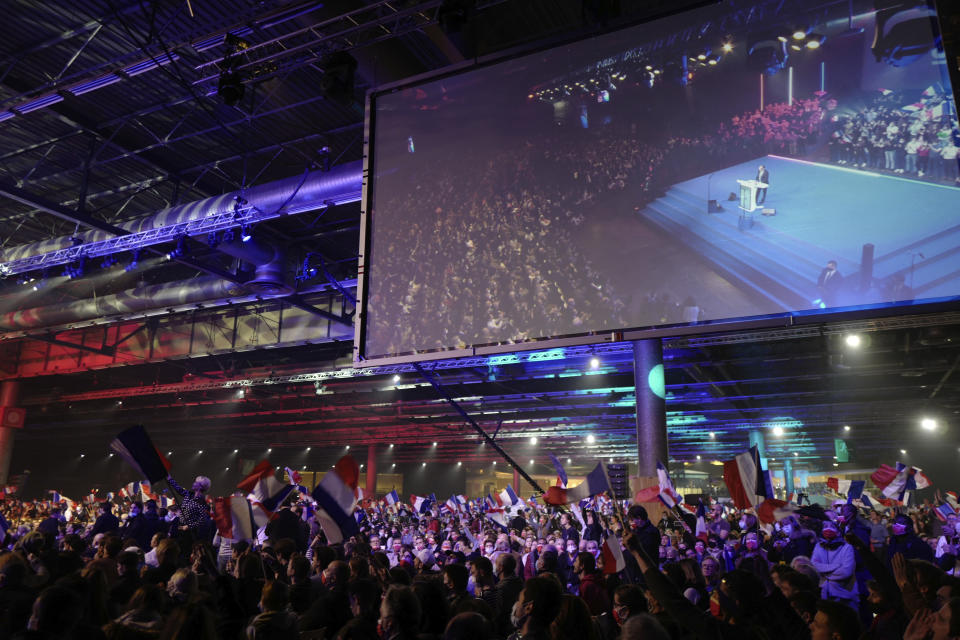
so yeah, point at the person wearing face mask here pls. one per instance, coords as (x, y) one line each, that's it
(455, 578)
(942, 625)
(752, 548)
(536, 607)
(568, 576)
(904, 541)
(796, 541)
(590, 584)
(834, 560)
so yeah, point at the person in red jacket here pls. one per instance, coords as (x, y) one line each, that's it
(592, 589)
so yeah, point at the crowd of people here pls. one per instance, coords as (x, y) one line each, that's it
(600, 570)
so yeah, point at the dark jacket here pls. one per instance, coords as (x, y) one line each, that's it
(107, 523)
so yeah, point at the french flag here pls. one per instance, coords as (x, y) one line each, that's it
(452, 504)
(943, 511)
(392, 498)
(336, 501)
(595, 482)
(561, 472)
(264, 491)
(667, 495)
(896, 481)
(234, 518)
(509, 497)
(744, 478)
(136, 448)
(55, 497)
(613, 561)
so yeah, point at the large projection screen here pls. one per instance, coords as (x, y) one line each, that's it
(730, 162)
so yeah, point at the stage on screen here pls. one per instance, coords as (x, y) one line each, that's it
(717, 164)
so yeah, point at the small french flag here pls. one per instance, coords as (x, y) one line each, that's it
(613, 561)
(393, 498)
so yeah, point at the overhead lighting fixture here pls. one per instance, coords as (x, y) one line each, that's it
(434, 444)
(799, 34)
(713, 435)
(815, 41)
(396, 379)
(778, 431)
(846, 427)
(795, 454)
(929, 424)
(246, 233)
(594, 363)
(591, 439)
(727, 47)
(853, 340)
(533, 440)
(903, 452)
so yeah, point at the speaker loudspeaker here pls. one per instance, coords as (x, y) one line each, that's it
(12, 417)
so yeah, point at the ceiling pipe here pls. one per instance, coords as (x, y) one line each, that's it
(207, 291)
(319, 189)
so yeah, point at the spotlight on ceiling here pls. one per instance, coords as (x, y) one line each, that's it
(815, 41)
(591, 439)
(929, 424)
(594, 363)
(903, 452)
(230, 88)
(853, 340)
(533, 440)
(767, 55)
(778, 431)
(396, 378)
(846, 427)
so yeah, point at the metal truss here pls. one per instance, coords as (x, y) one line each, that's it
(239, 216)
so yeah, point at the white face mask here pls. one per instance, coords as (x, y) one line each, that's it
(743, 524)
(787, 529)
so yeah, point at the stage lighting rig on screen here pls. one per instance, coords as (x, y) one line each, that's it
(902, 32)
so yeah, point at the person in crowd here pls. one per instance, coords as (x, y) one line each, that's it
(194, 512)
(905, 541)
(535, 609)
(834, 560)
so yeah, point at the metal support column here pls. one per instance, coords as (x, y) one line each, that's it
(651, 416)
(371, 488)
(9, 395)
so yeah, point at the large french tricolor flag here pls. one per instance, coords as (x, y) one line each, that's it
(392, 498)
(420, 503)
(595, 482)
(336, 501)
(744, 478)
(136, 448)
(234, 518)
(508, 497)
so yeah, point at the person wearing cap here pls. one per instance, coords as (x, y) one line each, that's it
(194, 513)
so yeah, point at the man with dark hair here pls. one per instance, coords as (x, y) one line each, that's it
(592, 589)
(106, 522)
(829, 283)
(332, 610)
(536, 608)
(834, 621)
(509, 586)
(455, 579)
(647, 535)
